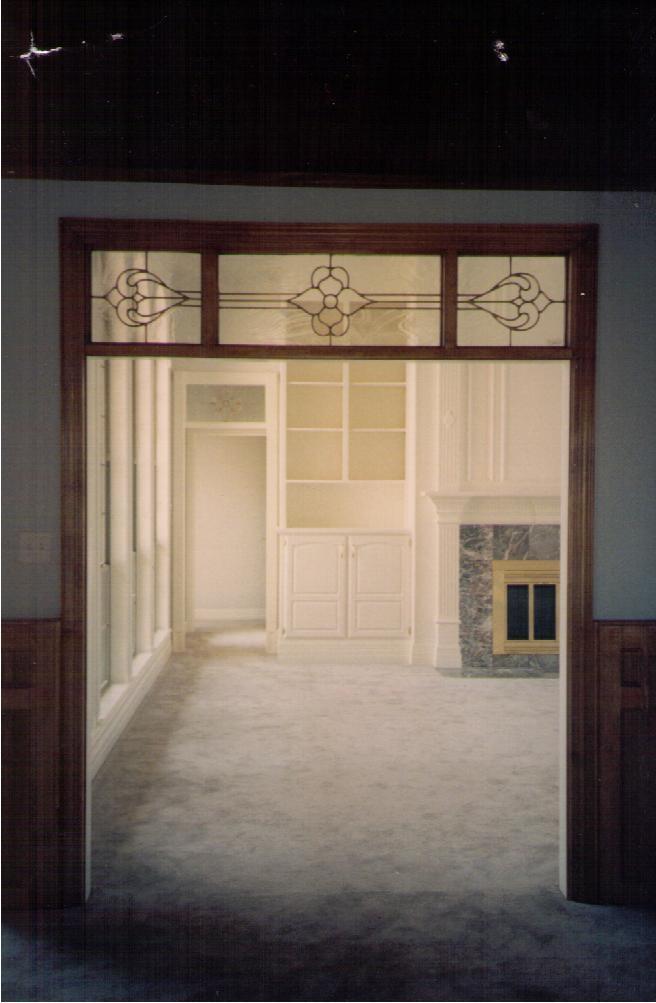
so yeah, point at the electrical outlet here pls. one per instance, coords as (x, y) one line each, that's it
(34, 548)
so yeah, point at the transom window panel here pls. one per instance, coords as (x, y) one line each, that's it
(336, 299)
(511, 300)
(146, 296)
(225, 403)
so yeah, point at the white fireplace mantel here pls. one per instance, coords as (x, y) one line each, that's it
(472, 508)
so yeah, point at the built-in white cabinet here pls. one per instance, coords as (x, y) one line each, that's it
(347, 433)
(347, 502)
(314, 602)
(379, 585)
(346, 586)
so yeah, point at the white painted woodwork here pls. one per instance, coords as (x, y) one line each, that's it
(379, 586)
(423, 464)
(348, 443)
(499, 427)
(315, 585)
(187, 373)
(144, 418)
(121, 518)
(346, 585)
(447, 653)
(531, 424)
(97, 588)
(163, 405)
(121, 701)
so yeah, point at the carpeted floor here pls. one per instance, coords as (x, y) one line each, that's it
(281, 832)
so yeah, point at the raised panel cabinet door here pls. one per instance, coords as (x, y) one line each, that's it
(315, 586)
(379, 585)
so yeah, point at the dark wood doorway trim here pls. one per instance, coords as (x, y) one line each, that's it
(578, 243)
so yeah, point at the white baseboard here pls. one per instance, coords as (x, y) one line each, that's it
(210, 617)
(121, 701)
(423, 652)
(445, 657)
(344, 652)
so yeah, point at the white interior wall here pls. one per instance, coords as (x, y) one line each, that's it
(226, 530)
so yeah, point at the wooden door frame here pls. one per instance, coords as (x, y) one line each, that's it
(578, 242)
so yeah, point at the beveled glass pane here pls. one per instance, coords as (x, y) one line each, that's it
(234, 403)
(145, 296)
(339, 299)
(511, 300)
(517, 612)
(544, 612)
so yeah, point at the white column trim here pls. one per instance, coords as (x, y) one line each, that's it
(145, 503)
(120, 410)
(163, 494)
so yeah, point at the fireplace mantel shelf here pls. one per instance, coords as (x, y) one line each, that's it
(471, 507)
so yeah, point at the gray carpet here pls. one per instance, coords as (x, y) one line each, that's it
(283, 832)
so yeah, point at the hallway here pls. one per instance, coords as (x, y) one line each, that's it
(275, 831)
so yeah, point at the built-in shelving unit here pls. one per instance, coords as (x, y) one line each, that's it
(346, 437)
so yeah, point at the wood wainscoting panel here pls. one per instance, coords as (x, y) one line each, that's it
(626, 655)
(30, 763)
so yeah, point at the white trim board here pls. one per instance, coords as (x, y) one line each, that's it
(123, 699)
(212, 616)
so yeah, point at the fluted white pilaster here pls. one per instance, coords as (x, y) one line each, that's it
(121, 555)
(145, 502)
(163, 495)
(447, 600)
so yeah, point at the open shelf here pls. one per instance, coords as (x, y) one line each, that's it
(376, 406)
(314, 406)
(314, 455)
(346, 444)
(376, 457)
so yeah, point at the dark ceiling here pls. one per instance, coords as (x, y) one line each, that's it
(324, 92)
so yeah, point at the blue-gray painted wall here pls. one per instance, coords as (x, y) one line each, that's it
(625, 529)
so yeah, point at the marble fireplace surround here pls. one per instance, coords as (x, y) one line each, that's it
(472, 530)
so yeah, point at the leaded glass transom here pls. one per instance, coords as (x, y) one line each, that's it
(225, 403)
(145, 296)
(511, 300)
(335, 299)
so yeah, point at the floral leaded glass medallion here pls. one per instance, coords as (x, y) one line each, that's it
(225, 403)
(338, 299)
(145, 296)
(511, 300)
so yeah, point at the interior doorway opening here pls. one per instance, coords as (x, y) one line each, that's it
(484, 469)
